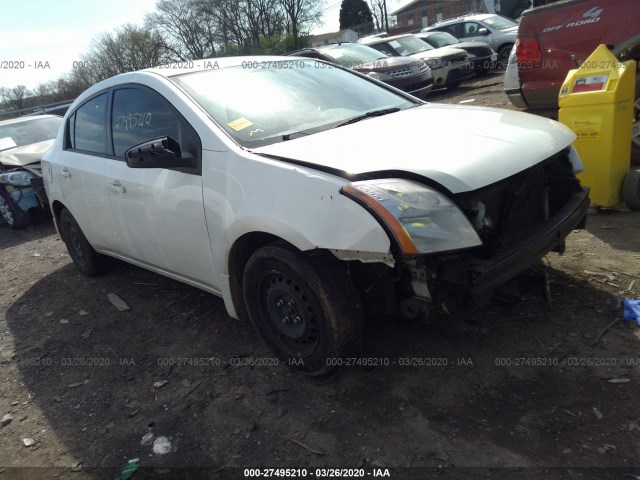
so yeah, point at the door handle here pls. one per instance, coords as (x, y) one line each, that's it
(65, 173)
(117, 187)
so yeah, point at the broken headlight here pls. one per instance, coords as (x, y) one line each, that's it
(420, 219)
(17, 179)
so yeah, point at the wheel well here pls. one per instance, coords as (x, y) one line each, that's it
(510, 45)
(57, 208)
(239, 255)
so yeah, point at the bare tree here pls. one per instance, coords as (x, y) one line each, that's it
(129, 48)
(15, 98)
(301, 14)
(378, 12)
(187, 31)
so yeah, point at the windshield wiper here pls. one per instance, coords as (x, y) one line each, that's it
(371, 114)
(287, 136)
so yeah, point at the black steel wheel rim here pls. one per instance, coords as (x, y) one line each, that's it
(289, 314)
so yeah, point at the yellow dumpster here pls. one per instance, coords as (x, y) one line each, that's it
(596, 102)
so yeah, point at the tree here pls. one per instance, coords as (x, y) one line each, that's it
(129, 48)
(301, 14)
(15, 98)
(378, 11)
(355, 14)
(187, 30)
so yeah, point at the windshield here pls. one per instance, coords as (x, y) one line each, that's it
(440, 39)
(408, 45)
(285, 99)
(27, 132)
(351, 56)
(499, 23)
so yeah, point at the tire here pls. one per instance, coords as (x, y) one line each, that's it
(304, 307)
(631, 190)
(85, 258)
(11, 213)
(503, 56)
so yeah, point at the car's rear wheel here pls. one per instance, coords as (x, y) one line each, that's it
(85, 258)
(303, 306)
(11, 212)
(503, 56)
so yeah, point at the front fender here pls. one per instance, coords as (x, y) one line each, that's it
(300, 205)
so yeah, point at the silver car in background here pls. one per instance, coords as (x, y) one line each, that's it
(498, 32)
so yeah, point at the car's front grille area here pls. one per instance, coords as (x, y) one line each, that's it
(409, 71)
(457, 58)
(479, 51)
(517, 207)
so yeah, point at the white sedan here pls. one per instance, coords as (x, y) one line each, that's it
(302, 193)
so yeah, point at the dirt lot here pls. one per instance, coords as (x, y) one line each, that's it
(521, 383)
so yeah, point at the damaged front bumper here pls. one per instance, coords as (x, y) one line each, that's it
(28, 192)
(480, 276)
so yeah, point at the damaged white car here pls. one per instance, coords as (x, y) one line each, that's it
(23, 141)
(288, 187)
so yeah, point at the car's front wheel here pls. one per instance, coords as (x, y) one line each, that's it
(303, 306)
(85, 258)
(11, 212)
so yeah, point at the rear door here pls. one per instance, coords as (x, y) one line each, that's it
(159, 211)
(80, 168)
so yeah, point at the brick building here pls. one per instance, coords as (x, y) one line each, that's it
(422, 13)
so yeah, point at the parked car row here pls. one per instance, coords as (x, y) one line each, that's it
(414, 63)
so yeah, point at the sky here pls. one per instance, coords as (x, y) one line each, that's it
(41, 39)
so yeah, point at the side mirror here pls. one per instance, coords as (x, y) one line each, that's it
(163, 152)
(483, 31)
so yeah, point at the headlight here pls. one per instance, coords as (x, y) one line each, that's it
(18, 179)
(435, 63)
(380, 76)
(420, 219)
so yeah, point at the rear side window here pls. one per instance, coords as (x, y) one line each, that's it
(139, 115)
(88, 126)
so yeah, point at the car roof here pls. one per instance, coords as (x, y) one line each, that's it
(376, 40)
(462, 18)
(26, 119)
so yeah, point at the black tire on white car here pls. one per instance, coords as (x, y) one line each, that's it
(85, 258)
(11, 213)
(303, 306)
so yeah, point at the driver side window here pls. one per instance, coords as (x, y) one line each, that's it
(139, 115)
(471, 29)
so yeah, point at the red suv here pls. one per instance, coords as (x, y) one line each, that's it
(556, 36)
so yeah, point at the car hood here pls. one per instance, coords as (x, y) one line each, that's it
(465, 45)
(439, 53)
(460, 148)
(25, 155)
(387, 64)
